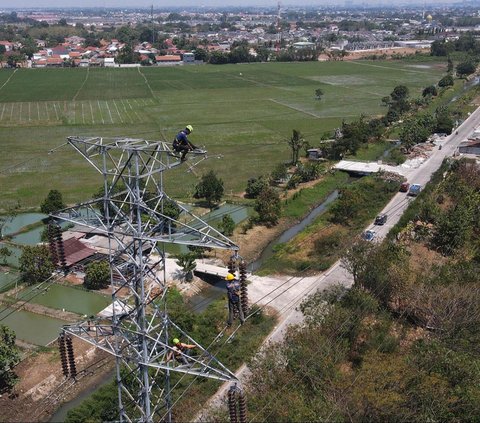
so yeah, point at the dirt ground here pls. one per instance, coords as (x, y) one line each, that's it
(42, 387)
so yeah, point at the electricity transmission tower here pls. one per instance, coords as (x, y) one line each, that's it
(138, 218)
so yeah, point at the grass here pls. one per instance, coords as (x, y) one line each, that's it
(307, 198)
(244, 113)
(371, 151)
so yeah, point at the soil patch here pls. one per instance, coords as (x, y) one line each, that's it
(42, 387)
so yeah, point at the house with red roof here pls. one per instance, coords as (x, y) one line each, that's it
(7, 44)
(169, 59)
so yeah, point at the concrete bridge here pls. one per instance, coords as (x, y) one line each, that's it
(366, 168)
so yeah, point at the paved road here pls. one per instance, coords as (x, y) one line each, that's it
(285, 293)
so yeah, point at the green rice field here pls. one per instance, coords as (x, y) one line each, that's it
(243, 114)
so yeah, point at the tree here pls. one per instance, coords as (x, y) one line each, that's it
(440, 48)
(35, 264)
(399, 93)
(187, 263)
(413, 132)
(466, 68)
(444, 121)
(255, 186)
(429, 91)
(9, 357)
(53, 202)
(226, 227)
(449, 65)
(296, 143)
(446, 81)
(210, 187)
(4, 253)
(279, 172)
(356, 259)
(268, 206)
(201, 54)
(319, 93)
(453, 230)
(97, 275)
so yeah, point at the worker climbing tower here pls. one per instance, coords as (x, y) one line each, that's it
(138, 219)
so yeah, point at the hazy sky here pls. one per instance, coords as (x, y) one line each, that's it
(168, 3)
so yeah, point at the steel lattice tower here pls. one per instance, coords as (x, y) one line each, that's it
(136, 215)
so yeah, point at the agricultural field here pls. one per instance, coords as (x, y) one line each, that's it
(243, 114)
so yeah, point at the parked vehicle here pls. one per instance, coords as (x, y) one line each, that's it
(404, 187)
(414, 190)
(381, 219)
(369, 235)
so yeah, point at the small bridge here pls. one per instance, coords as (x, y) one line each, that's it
(211, 269)
(366, 168)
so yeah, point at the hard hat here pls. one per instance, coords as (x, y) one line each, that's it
(229, 277)
(176, 341)
(189, 127)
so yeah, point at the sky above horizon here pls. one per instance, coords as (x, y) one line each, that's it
(179, 3)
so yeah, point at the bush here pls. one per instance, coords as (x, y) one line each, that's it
(97, 275)
(255, 186)
(446, 81)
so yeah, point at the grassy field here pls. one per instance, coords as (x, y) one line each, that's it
(243, 112)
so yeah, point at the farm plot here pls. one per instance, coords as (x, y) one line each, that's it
(113, 83)
(88, 112)
(42, 85)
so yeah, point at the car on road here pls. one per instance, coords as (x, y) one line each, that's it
(414, 190)
(368, 235)
(404, 187)
(381, 219)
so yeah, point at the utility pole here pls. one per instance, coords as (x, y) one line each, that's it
(135, 214)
